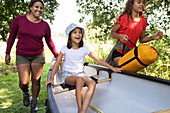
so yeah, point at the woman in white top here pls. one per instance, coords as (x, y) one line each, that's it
(74, 54)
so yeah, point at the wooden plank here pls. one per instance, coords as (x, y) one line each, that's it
(163, 111)
(61, 91)
(56, 85)
(104, 80)
(67, 89)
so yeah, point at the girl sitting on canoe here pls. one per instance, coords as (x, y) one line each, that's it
(74, 53)
(130, 25)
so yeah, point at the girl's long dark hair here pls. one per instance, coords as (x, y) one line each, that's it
(69, 43)
(32, 3)
(128, 9)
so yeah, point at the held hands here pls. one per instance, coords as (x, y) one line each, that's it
(158, 35)
(7, 59)
(123, 38)
(48, 82)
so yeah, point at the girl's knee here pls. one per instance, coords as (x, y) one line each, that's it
(92, 84)
(80, 80)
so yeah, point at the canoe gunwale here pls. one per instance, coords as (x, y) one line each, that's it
(146, 77)
(51, 100)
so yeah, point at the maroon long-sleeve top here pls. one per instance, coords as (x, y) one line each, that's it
(30, 37)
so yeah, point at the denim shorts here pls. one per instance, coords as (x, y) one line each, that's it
(67, 73)
(36, 59)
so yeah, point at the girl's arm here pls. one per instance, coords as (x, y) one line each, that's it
(144, 39)
(54, 69)
(102, 62)
(113, 33)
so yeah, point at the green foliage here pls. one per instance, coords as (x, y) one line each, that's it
(105, 12)
(158, 14)
(7, 14)
(9, 9)
(49, 9)
(100, 49)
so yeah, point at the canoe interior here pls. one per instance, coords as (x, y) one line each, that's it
(123, 94)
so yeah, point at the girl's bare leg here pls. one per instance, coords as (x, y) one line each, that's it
(79, 83)
(79, 92)
(89, 93)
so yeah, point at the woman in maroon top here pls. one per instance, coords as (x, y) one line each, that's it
(29, 53)
(130, 25)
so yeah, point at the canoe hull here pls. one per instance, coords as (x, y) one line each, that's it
(123, 94)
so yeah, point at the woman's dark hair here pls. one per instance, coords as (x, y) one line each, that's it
(32, 3)
(69, 43)
(128, 9)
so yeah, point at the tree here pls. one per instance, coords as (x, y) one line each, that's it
(105, 12)
(9, 9)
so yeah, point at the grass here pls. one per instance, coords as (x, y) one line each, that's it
(11, 97)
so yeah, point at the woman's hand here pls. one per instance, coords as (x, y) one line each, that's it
(123, 38)
(7, 59)
(48, 82)
(158, 35)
